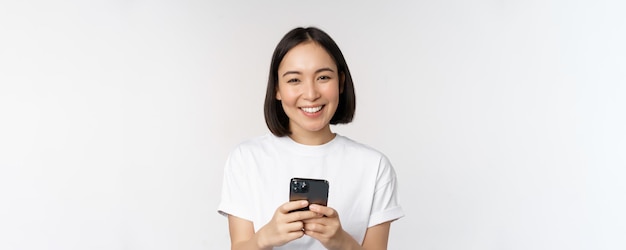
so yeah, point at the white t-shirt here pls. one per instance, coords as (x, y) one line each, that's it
(362, 182)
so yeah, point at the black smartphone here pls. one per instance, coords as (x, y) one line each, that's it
(313, 190)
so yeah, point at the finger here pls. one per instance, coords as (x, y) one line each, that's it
(313, 234)
(322, 221)
(294, 226)
(314, 227)
(301, 215)
(327, 211)
(295, 235)
(292, 205)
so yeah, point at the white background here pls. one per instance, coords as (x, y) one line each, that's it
(505, 120)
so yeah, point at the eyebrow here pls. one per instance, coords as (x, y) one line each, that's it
(317, 71)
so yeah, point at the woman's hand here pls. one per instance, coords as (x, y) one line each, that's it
(284, 226)
(326, 228)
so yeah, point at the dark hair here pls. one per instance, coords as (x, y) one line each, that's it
(275, 117)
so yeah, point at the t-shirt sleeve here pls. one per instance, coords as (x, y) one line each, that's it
(235, 187)
(385, 206)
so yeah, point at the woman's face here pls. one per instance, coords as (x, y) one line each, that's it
(308, 88)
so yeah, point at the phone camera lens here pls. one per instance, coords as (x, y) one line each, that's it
(300, 186)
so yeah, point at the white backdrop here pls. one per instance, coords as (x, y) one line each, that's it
(504, 119)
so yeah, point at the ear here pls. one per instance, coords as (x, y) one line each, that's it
(278, 97)
(342, 82)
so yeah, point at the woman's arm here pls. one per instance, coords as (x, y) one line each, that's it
(284, 227)
(329, 232)
(242, 234)
(376, 237)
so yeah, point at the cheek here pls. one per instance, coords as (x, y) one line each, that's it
(286, 97)
(332, 92)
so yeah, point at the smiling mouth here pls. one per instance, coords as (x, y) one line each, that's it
(312, 110)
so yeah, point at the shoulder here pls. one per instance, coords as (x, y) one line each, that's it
(250, 152)
(367, 159)
(363, 153)
(358, 147)
(251, 146)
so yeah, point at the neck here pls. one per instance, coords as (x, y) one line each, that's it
(313, 138)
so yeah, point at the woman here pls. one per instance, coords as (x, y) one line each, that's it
(309, 88)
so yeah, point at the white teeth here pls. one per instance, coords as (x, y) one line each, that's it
(312, 110)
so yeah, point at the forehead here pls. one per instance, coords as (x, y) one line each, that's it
(307, 56)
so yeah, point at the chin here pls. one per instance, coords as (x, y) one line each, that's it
(316, 128)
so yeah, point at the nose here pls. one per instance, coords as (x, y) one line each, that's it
(310, 92)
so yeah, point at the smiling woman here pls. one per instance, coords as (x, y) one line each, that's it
(275, 117)
(309, 88)
(309, 92)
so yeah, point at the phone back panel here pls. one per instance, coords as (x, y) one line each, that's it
(314, 190)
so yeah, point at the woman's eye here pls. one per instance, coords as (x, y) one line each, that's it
(324, 78)
(293, 80)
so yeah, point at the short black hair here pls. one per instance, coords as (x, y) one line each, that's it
(275, 117)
